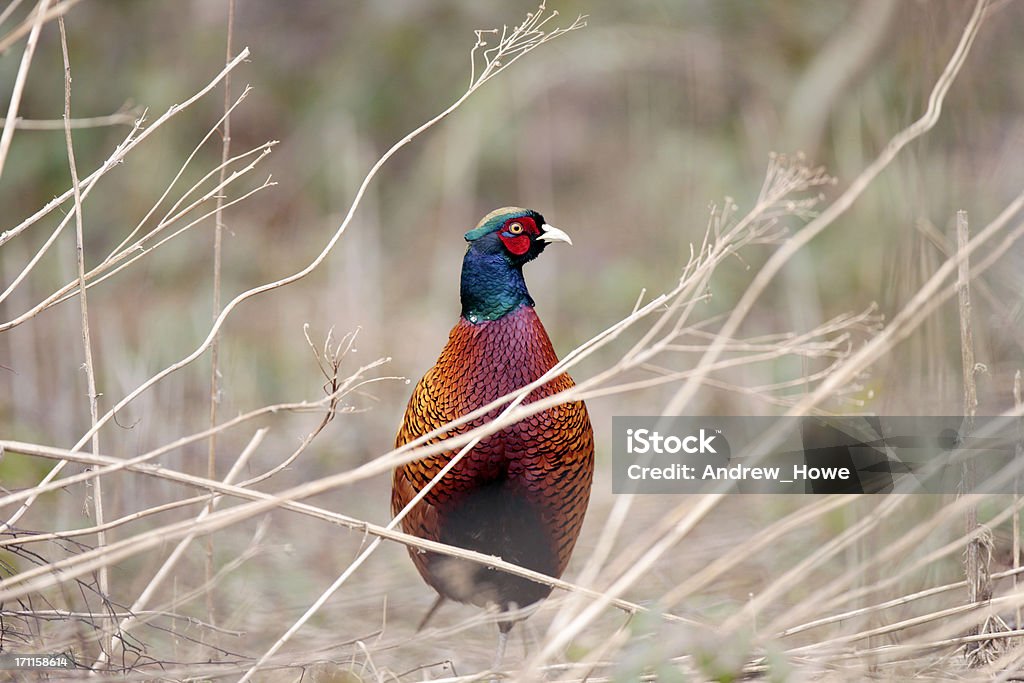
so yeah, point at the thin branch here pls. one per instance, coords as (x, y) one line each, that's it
(218, 239)
(90, 372)
(120, 118)
(19, 81)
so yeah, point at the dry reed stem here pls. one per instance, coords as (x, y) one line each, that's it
(218, 240)
(968, 615)
(1018, 403)
(23, 540)
(123, 117)
(840, 590)
(90, 372)
(888, 604)
(352, 384)
(177, 176)
(19, 81)
(978, 587)
(892, 554)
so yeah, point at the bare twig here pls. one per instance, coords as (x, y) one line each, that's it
(90, 372)
(218, 239)
(120, 118)
(1018, 403)
(978, 587)
(19, 82)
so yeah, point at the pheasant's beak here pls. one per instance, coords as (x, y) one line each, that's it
(552, 234)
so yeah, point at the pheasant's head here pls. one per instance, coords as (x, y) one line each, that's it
(492, 271)
(518, 234)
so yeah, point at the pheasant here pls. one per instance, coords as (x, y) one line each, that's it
(522, 492)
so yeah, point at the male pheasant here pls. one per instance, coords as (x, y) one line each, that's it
(520, 493)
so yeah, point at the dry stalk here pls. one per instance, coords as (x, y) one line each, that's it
(839, 589)
(90, 372)
(122, 117)
(967, 618)
(218, 240)
(19, 82)
(891, 554)
(24, 538)
(1018, 404)
(978, 589)
(174, 181)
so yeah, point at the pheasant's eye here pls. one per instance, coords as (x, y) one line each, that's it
(515, 228)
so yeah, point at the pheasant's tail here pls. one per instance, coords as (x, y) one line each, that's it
(430, 612)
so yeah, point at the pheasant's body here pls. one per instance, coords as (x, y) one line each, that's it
(520, 493)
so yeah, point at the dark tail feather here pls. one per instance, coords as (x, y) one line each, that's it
(430, 612)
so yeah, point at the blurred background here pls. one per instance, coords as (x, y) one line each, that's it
(622, 134)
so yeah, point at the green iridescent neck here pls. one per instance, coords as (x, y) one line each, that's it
(492, 287)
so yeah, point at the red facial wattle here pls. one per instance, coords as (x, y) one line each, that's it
(518, 243)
